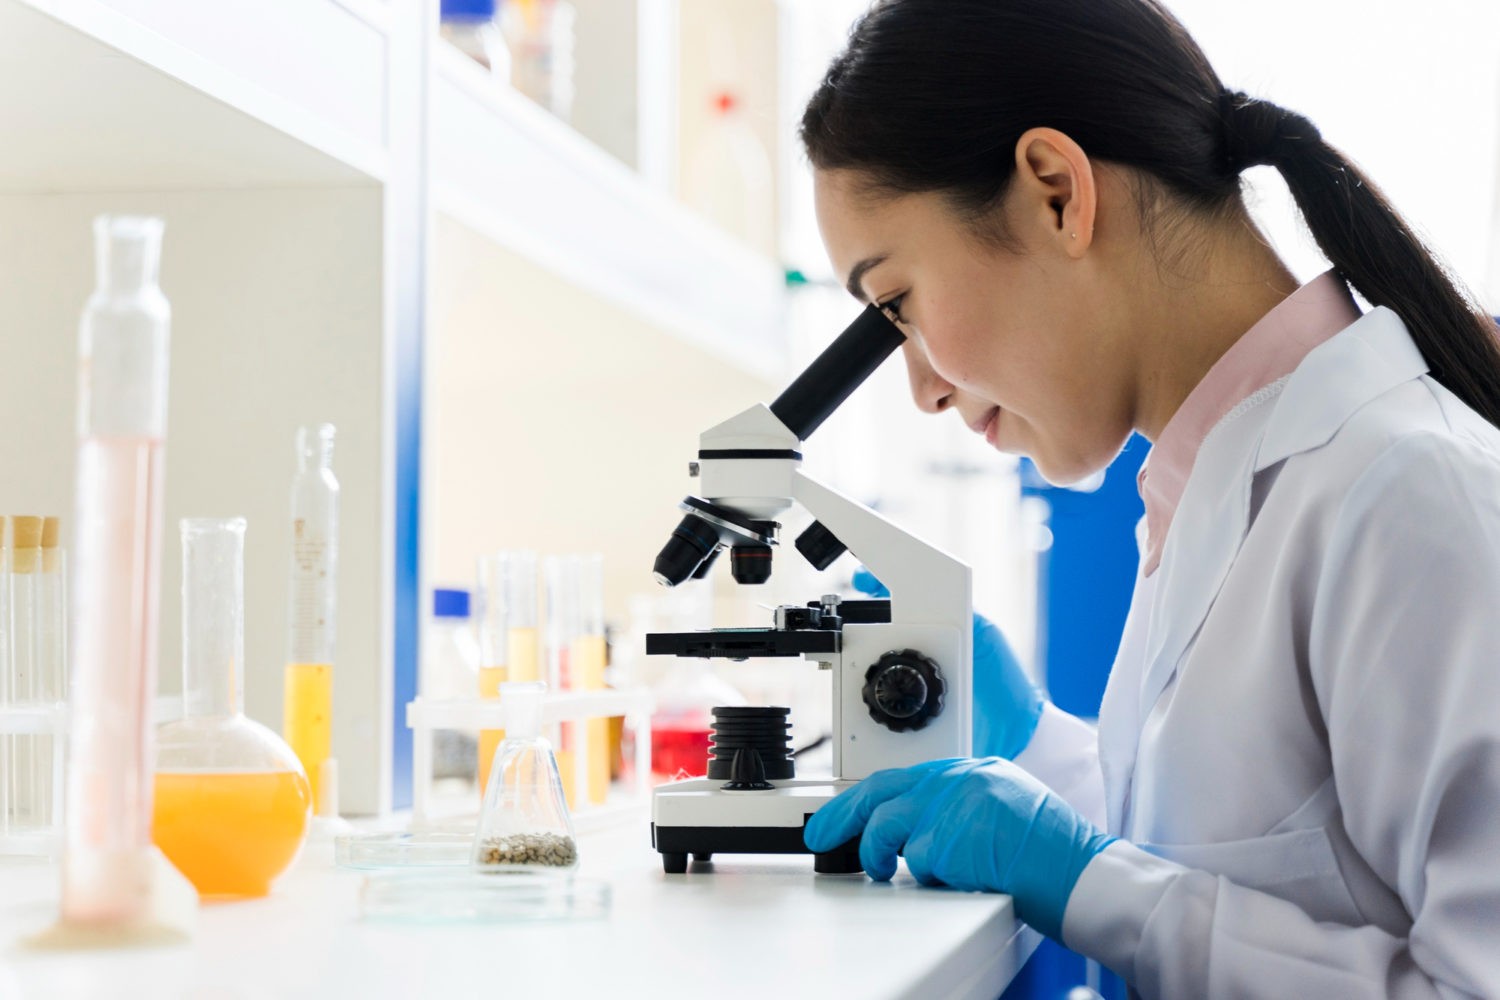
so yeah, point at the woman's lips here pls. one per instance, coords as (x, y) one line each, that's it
(991, 425)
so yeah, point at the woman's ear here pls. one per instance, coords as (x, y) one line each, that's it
(1055, 182)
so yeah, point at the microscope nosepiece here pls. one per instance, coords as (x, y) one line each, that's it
(693, 541)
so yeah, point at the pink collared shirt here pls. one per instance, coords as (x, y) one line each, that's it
(1270, 349)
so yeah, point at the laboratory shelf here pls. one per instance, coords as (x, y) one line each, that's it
(505, 168)
(150, 95)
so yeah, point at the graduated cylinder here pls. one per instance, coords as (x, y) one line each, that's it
(307, 705)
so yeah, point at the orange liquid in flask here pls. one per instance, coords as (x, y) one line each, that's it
(230, 832)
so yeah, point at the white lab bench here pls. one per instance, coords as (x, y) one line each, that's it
(743, 926)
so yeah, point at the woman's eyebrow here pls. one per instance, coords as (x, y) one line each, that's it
(858, 272)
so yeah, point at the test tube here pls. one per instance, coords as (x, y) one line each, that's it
(307, 702)
(507, 634)
(522, 618)
(7, 741)
(25, 568)
(560, 583)
(112, 877)
(52, 662)
(588, 662)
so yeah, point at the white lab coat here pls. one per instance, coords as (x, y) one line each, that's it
(1300, 740)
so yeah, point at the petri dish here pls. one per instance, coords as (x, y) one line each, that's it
(425, 849)
(479, 897)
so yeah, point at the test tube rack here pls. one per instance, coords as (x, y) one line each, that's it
(51, 719)
(426, 716)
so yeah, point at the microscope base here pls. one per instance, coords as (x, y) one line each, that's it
(697, 817)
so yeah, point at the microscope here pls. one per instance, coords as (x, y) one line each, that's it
(901, 667)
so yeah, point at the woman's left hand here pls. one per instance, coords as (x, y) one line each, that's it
(980, 824)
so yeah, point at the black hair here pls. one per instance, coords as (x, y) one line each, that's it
(932, 96)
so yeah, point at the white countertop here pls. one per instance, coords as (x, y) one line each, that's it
(744, 926)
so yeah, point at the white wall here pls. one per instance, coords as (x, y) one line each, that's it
(553, 421)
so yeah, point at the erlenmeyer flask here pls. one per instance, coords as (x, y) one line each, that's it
(232, 800)
(524, 824)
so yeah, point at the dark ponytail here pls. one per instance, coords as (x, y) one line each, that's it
(1372, 247)
(932, 95)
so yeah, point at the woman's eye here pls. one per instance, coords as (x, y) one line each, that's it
(892, 307)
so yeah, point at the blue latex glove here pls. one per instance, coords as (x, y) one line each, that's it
(1007, 706)
(982, 825)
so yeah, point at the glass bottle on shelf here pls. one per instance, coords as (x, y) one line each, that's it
(729, 176)
(449, 671)
(307, 703)
(540, 35)
(524, 824)
(232, 800)
(471, 27)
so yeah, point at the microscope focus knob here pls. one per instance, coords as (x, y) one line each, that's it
(904, 690)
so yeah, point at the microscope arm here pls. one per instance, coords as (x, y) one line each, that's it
(928, 586)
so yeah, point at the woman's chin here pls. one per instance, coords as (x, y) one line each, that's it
(1062, 473)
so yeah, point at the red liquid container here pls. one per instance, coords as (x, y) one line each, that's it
(679, 751)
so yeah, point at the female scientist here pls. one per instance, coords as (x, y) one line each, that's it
(1298, 753)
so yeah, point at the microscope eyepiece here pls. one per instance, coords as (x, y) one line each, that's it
(837, 372)
(693, 542)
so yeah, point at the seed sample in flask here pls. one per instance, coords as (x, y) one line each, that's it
(524, 824)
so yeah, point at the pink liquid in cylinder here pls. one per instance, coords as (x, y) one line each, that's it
(113, 642)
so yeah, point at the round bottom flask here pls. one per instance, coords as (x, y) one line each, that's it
(231, 801)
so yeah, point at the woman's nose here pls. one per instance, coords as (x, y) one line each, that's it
(932, 392)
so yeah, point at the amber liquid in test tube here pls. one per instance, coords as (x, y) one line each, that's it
(587, 665)
(116, 887)
(307, 703)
